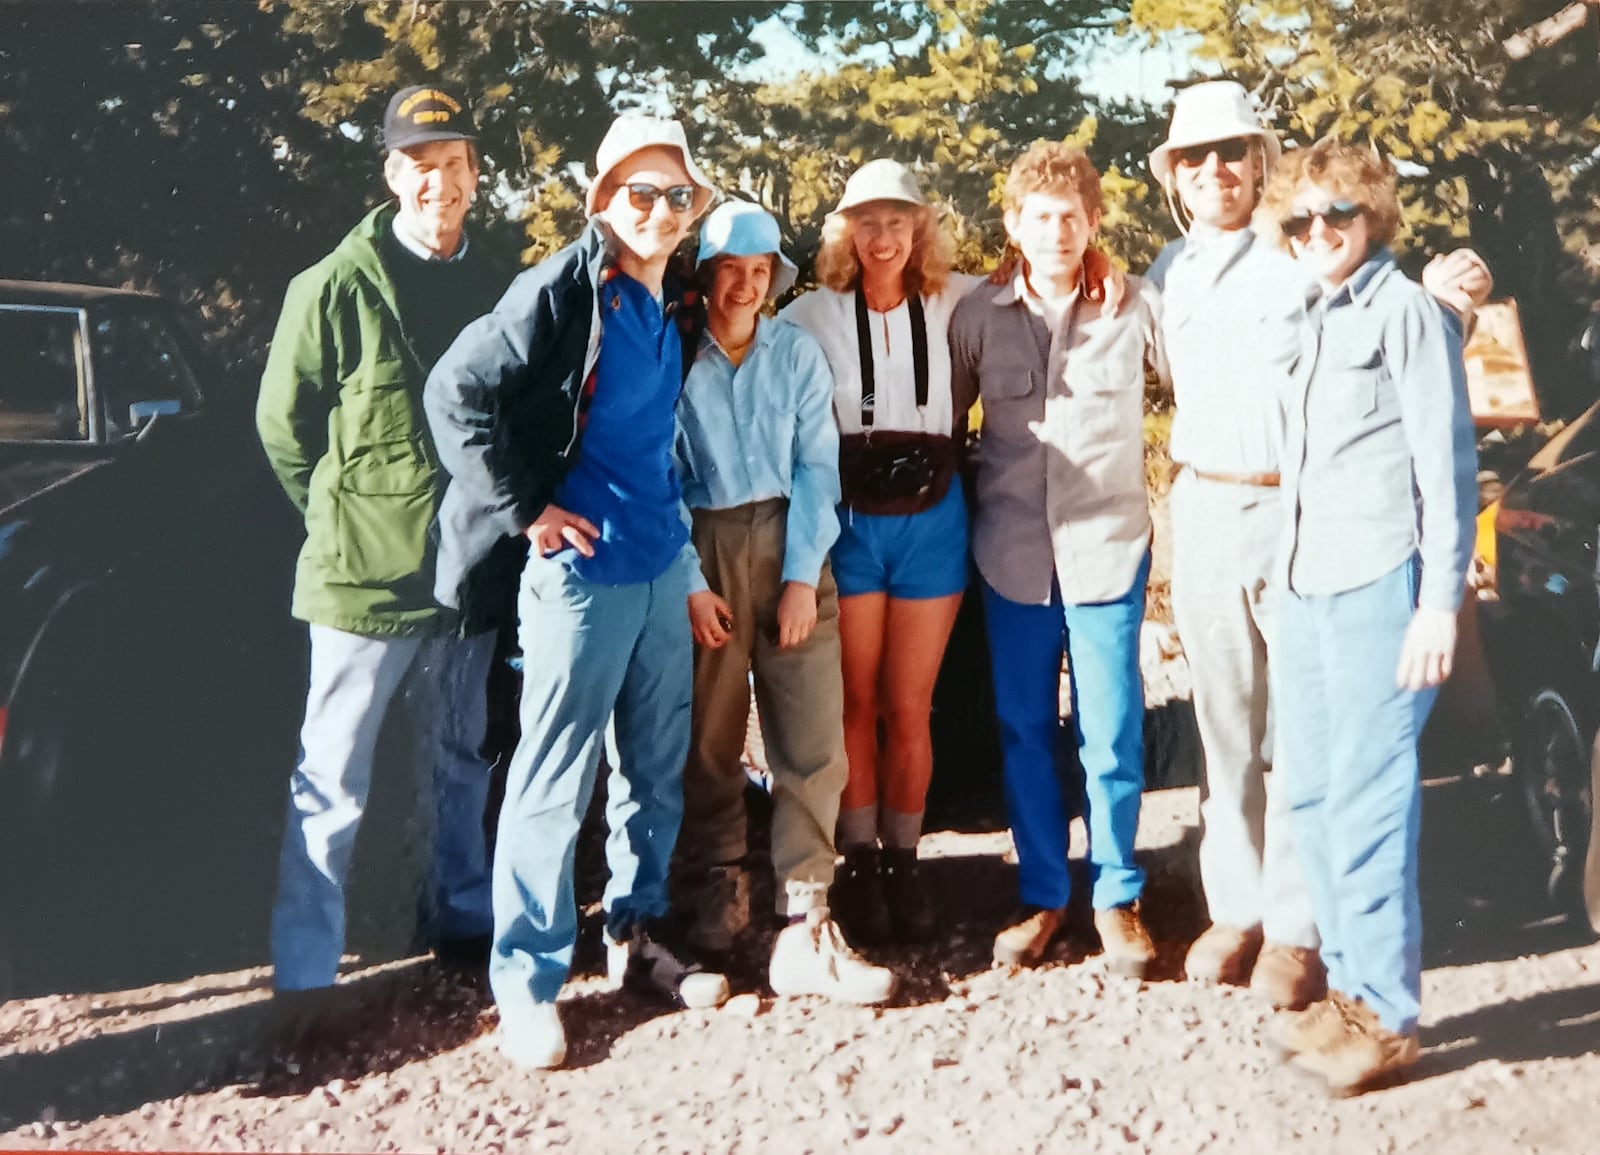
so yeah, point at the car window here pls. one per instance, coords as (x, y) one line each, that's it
(42, 389)
(140, 370)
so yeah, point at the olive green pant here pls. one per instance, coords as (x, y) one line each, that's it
(800, 701)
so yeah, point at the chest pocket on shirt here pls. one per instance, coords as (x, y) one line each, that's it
(1004, 376)
(1105, 404)
(1357, 384)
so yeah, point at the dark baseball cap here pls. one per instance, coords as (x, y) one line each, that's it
(424, 113)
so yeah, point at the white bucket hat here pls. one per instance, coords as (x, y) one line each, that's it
(632, 132)
(742, 229)
(880, 180)
(1209, 112)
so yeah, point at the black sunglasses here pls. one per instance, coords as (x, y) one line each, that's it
(680, 197)
(1339, 215)
(1228, 152)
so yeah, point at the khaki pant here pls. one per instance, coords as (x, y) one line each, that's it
(1224, 537)
(800, 700)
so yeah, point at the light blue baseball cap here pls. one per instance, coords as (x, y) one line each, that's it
(740, 229)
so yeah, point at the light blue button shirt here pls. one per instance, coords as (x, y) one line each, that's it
(764, 430)
(1233, 309)
(1379, 455)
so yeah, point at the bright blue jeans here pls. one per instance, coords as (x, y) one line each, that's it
(1356, 792)
(590, 649)
(354, 680)
(1102, 642)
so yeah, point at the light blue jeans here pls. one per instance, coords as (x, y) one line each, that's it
(1356, 791)
(590, 649)
(354, 680)
(1102, 641)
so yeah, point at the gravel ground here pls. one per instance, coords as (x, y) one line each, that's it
(967, 1059)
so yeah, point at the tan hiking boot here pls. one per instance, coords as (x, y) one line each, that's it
(1022, 941)
(1289, 977)
(1320, 1025)
(721, 909)
(1127, 946)
(1224, 954)
(1364, 1057)
(812, 958)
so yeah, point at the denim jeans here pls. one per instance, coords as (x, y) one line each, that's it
(1102, 642)
(591, 649)
(1356, 791)
(354, 680)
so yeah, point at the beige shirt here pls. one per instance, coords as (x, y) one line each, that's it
(1061, 484)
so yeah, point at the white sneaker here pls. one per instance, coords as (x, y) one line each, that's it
(812, 958)
(653, 967)
(721, 909)
(539, 1041)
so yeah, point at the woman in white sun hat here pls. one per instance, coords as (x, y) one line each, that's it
(882, 317)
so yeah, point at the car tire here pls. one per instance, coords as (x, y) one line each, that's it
(1553, 757)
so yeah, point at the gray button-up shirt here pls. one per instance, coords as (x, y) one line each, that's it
(1379, 456)
(1061, 486)
(1232, 321)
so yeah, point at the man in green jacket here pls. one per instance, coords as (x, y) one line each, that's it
(340, 417)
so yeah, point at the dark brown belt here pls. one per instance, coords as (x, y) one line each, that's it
(1263, 480)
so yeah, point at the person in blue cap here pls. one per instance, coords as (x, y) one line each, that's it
(758, 454)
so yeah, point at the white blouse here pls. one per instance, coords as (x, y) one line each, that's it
(830, 317)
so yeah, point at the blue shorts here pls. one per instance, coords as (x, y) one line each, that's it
(914, 555)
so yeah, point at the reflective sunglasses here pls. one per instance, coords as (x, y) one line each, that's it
(680, 197)
(1339, 215)
(1228, 152)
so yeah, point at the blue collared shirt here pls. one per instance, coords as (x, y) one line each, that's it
(1379, 457)
(764, 430)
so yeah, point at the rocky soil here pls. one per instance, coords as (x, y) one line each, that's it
(1064, 1057)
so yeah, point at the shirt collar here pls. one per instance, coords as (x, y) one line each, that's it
(1017, 291)
(1360, 286)
(416, 248)
(763, 336)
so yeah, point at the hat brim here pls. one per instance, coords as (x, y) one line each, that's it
(1161, 156)
(427, 136)
(784, 271)
(706, 192)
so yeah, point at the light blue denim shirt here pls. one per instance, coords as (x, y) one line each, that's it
(1233, 314)
(764, 430)
(1380, 459)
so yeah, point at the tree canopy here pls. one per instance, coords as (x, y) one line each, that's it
(210, 148)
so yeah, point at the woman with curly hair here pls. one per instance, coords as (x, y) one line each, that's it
(882, 315)
(1379, 489)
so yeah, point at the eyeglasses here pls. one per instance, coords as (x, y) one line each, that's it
(1339, 215)
(1228, 152)
(680, 197)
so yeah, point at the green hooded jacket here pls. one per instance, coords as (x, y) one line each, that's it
(340, 416)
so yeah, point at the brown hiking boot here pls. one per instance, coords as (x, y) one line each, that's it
(1289, 977)
(1364, 1057)
(1319, 1026)
(1022, 941)
(858, 902)
(1127, 946)
(721, 909)
(1224, 954)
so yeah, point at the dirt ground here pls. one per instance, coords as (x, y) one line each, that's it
(966, 1059)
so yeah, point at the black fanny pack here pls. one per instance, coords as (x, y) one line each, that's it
(895, 473)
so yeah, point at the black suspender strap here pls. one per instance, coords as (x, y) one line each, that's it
(919, 354)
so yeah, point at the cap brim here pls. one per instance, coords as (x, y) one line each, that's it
(427, 136)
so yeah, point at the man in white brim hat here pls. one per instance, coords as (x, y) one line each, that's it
(583, 350)
(1232, 317)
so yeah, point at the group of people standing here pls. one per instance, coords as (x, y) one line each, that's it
(710, 497)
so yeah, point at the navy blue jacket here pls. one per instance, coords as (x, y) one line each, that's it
(502, 404)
